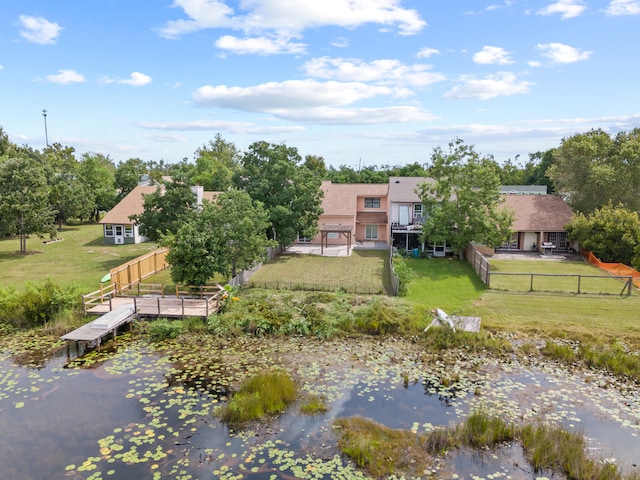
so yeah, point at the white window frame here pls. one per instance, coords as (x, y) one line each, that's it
(108, 230)
(128, 231)
(417, 210)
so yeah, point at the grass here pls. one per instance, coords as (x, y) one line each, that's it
(383, 451)
(444, 283)
(264, 394)
(80, 259)
(366, 269)
(573, 269)
(313, 405)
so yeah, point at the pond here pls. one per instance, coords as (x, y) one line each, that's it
(149, 411)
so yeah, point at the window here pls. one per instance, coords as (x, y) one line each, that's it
(417, 209)
(303, 239)
(559, 239)
(128, 231)
(371, 232)
(108, 230)
(372, 202)
(332, 235)
(512, 243)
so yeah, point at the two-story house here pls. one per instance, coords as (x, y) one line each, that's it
(352, 213)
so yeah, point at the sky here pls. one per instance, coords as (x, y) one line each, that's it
(357, 82)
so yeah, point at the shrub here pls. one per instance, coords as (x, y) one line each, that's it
(404, 273)
(36, 304)
(377, 318)
(163, 329)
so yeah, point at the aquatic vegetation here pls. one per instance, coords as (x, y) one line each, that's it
(483, 430)
(264, 394)
(313, 405)
(380, 450)
(164, 329)
(556, 448)
(612, 357)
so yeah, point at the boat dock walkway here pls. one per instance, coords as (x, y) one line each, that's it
(93, 332)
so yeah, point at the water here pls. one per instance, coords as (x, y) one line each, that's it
(131, 415)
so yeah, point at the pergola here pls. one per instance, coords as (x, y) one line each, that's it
(343, 230)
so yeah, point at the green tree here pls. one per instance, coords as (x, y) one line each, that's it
(611, 233)
(24, 199)
(70, 198)
(273, 174)
(97, 172)
(216, 162)
(127, 176)
(536, 169)
(227, 236)
(165, 210)
(593, 169)
(463, 204)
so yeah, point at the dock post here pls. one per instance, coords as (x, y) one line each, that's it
(182, 307)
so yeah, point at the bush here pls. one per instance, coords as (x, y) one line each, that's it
(404, 273)
(37, 304)
(163, 329)
(377, 318)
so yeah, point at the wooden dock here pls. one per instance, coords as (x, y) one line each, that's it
(93, 332)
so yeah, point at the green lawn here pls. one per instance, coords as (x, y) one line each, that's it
(81, 258)
(364, 269)
(454, 287)
(580, 272)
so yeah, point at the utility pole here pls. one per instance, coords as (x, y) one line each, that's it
(46, 135)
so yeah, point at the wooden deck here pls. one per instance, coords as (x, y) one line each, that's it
(158, 306)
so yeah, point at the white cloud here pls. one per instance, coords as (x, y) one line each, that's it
(427, 52)
(1, 67)
(259, 45)
(207, 125)
(534, 63)
(341, 42)
(66, 76)
(39, 30)
(566, 8)
(136, 79)
(561, 53)
(287, 18)
(491, 55)
(624, 7)
(498, 85)
(384, 71)
(273, 97)
(358, 116)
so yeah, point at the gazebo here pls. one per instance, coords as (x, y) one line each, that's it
(344, 231)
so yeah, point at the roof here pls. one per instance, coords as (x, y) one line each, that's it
(342, 198)
(132, 204)
(538, 213)
(403, 189)
(333, 227)
(372, 218)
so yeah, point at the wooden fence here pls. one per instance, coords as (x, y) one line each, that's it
(479, 262)
(134, 271)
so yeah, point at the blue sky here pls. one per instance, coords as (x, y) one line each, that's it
(369, 82)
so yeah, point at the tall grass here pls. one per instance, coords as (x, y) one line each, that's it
(382, 451)
(264, 394)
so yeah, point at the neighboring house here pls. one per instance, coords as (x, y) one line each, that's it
(524, 189)
(118, 229)
(406, 214)
(352, 212)
(539, 223)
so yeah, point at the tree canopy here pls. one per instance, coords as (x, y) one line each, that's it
(227, 236)
(165, 210)
(273, 174)
(463, 202)
(24, 199)
(594, 169)
(611, 233)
